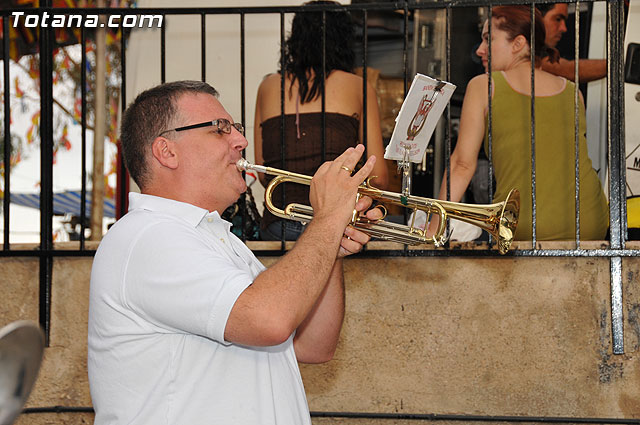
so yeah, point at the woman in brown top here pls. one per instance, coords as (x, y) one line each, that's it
(304, 148)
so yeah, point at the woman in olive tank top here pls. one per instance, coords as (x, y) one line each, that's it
(555, 163)
(302, 149)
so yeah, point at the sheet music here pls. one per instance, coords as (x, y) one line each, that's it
(417, 118)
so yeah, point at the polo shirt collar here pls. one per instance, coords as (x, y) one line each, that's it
(187, 212)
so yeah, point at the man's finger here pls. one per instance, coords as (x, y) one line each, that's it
(364, 203)
(375, 213)
(349, 159)
(366, 170)
(356, 236)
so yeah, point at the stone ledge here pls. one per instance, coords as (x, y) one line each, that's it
(372, 246)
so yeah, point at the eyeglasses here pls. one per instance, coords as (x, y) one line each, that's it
(223, 126)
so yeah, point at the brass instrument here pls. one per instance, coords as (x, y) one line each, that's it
(499, 219)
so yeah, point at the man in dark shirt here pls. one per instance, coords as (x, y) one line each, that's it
(555, 17)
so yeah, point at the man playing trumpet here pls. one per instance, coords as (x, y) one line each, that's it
(186, 326)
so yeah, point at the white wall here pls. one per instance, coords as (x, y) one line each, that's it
(597, 97)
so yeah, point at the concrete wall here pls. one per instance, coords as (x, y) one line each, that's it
(460, 336)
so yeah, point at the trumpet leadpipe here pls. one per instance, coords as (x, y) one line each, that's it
(244, 165)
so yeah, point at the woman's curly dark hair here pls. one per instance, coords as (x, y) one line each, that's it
(303, 48)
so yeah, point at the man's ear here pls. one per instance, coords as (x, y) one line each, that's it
(164, 152)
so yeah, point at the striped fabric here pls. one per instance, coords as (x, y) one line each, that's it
(67, 202)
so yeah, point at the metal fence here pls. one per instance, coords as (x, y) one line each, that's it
(47, 251)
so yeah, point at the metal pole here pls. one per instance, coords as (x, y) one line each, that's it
(98, 192)
(46, 174)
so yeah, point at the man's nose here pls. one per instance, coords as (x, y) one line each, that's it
(238, 140)
(563, 27)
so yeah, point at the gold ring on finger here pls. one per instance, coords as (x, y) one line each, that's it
(347, 169)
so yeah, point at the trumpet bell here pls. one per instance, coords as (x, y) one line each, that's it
(508, 221)
(499, 220)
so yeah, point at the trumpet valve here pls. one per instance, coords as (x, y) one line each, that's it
(354, 214)
(385, 211)
(367, 182)
(416, 230)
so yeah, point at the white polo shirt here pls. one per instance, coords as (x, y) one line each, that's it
(163, 283)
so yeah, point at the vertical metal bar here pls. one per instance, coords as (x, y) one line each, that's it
(83, 121)
(7, 130)
(243, 93)
(365, 109)
(490, 114)
(124, 175)
(163, 53)
(620, 113)
(622, 165)
(447, 52)
(615, 124)
(489, 129)
(243, 105)
(203, 45)
(447, 128)
(283, 156)
(576, 120)
(490, 104)
(324, 85)
(365, 99)
(616, 306)
(46, 173)
(405, 73)
(448, 140)
(405, 47)
(533, 129)
(615, 135)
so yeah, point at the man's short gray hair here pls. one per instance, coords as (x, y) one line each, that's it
(153, 112)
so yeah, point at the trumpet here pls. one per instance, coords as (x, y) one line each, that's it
(499, 219)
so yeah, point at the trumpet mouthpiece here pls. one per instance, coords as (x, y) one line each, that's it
(244, 165)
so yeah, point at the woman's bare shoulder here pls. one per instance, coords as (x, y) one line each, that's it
(347, 84)
(553, 80)
(270, 80)
(478, 81)
(477, 87)
(343, 77)
(336, 73)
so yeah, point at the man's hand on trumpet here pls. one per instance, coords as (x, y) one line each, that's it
(333, 196)
(353, 239)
